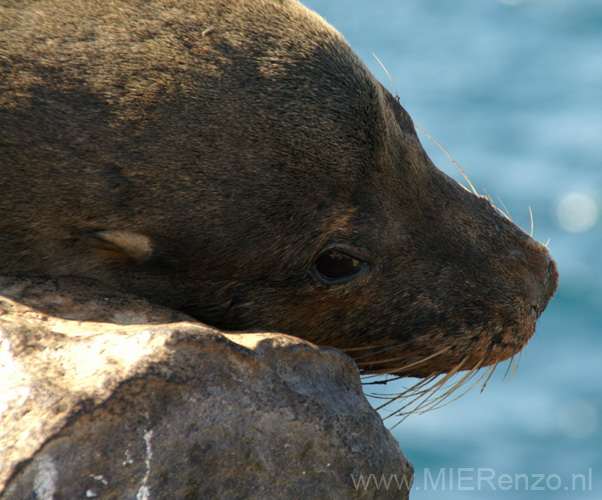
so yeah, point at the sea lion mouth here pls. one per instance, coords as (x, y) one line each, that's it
(415, 358)
(436, 388)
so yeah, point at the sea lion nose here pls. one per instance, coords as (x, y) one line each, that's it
(552, 280)
(540, 276)
(546, 284)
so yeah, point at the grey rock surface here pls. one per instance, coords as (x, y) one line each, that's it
(95, 409)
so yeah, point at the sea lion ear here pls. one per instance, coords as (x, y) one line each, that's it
(120, 245)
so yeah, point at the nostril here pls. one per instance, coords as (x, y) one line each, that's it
(535, 311)
(547, 286)
(552, 280)
(553, 274)
(541, 280)
(539, 274)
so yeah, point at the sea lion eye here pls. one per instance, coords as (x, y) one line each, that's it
(335, 265)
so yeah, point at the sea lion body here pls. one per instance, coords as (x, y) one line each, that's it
(235, 160)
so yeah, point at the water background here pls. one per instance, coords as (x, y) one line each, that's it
(513, 90)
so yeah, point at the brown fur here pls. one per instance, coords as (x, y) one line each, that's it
(203, 154)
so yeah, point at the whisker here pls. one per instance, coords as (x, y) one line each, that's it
(443, 400)
(382, 345)
(428, 391)
(507, 214)
(365, 347)
(491, 201)
(469, 374)
(452, 160)
(396, 358)
(380, 381)
(373, 350)
(414, 390)
(531, 214)
(520, 355)
(382, 348)
(507, 369)
(432, 402)
(405, 367)
(436, 391)
(390, 79)
(438, 145)
(494, 366)
(512, 365)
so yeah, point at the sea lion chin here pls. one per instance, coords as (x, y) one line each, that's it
(235, 160)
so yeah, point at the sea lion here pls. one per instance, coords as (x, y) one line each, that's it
(235, 160)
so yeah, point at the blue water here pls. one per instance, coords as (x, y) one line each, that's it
(513, 90)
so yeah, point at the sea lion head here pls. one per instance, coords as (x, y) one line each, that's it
(238, 162)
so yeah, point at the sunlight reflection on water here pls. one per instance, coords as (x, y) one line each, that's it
(577, 212)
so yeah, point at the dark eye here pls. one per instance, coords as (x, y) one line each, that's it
(334, 265)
